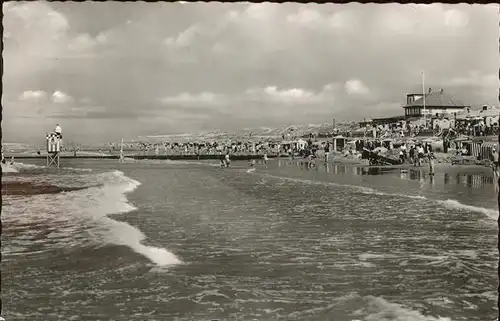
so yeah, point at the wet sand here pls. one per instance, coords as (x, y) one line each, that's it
(26, 189)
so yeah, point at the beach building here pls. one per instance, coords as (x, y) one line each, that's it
(339, 142)
(388, 121)
(365, 123)
(436, 103)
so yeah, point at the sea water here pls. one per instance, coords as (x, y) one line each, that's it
(168, 240)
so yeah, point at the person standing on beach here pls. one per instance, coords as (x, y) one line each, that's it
(327, 152)
(420, 155)
(412, 155)
(310, 161)
(494, 158)
(445, 145)
(401, 157)
(58, 131)
(403, 149)
(431, 164)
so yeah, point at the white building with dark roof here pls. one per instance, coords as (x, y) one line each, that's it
(436, 103)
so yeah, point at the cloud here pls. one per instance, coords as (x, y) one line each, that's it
(38, 37)
(33, 95)
(313, 19)
(186, 37)
(221, 48)
(38, 104)
(291, 95)
(269, 94)
(455, 18)
(356, 87)
(34, 33)
(83, 43)
(222, 65)
(306, 17)
(474, 78)
(185, 98)
(261, 11)
(420, 20)
(40, 96)
(42, 19)
(381, 109)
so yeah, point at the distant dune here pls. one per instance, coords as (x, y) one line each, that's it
(260, 132)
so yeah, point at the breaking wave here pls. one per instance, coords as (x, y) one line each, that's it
(78, 218)
(9, 169)
(450, 204)
(379, 309)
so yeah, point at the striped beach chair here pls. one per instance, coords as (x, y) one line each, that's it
(486, 149)
(475, 149)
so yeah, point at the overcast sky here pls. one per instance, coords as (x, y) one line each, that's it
(107, 70)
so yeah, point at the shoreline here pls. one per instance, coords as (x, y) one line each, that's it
(442, 161)
(152, 157)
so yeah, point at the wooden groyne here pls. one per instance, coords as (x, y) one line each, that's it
(149, 157)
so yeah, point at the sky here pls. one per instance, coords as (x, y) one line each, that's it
(106, 70)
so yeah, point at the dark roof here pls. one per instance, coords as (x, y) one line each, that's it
(437, 99)
(393, 118)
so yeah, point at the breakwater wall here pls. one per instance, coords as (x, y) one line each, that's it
(150, 157)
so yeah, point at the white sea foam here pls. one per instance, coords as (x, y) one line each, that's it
(176, 162)
(451, 204)
(112, 200)
(9, 169)
(454, 204)
(179, 162)
(371, 309)
(362, 189)
(27, 167)
(371, 256)
(89, 209)
(23, 166)
(379, 309)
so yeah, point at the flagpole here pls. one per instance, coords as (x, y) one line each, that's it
(121, 151)
(423, 98)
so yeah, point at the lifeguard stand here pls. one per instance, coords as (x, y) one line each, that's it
(53, 149)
